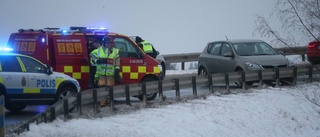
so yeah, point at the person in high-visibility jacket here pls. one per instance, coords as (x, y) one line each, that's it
(92, 45)
(147, 47)
(107, 62)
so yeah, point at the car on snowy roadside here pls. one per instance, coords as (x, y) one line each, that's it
(313, 51)
(26, 81)
(239, 55)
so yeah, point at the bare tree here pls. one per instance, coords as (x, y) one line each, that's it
(300, 23)
(299, 19)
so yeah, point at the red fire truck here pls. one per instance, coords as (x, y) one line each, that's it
(67, 51)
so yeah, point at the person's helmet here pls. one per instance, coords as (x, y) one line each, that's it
(138, 39)
(106, 40)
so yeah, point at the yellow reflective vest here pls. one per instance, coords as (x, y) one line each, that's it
(147, 47)
(108, 68)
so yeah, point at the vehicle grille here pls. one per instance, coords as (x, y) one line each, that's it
(271, 67)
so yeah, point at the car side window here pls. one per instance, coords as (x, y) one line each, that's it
(225, 48)
(32, 65)
(10, 64)
(215, 49)
(126, 48)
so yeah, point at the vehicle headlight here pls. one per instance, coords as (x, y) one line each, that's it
(253, 66)
(160, 67)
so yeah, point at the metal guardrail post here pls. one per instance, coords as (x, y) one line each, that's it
(227, 82)
(95, 100)
(303, 57)
(310, 73)
(2, 127)
(44, 116)
(243, 79)
(79, 108)
(52, 113)
(182, 65)
(65, 109)
(260, 78)
(277, 77)
(127, 92)
(295, 75)
(210, 83)
(194, 87)
(28, 127)
(161, 99)
(111, 98)
(144, 93)
(177, 86)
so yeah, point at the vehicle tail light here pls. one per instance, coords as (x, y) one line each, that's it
(312, 44)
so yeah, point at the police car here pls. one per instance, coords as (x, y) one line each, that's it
(25, 80)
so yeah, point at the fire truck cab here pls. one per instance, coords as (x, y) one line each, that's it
(67, 51)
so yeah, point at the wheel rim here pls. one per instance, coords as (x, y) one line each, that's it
(65, 94)
(203, 72)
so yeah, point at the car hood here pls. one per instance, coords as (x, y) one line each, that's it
(269, 60)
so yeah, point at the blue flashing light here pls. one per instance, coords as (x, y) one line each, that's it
(6, 49)
(43, 40)
(64, 31)
(97, 28)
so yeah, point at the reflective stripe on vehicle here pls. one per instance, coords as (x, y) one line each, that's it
(77, 72)
(134, 73)
(21, 65)
(29, 90)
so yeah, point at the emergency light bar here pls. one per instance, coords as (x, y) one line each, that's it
(97, 28)
(70, 30)
(30, 30)
(5, 49)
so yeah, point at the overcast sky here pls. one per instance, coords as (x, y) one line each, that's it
(173, 26)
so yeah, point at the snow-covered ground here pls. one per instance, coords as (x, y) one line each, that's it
(267, 112)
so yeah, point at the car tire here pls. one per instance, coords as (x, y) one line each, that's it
(15, 107)
(203, 71)
(239, 83)
(286, 81)
(66, 92)
(151, 96)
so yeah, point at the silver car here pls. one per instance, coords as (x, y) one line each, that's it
(239, 55)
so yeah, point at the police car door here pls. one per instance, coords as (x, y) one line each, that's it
(12, 76)
(39, 80)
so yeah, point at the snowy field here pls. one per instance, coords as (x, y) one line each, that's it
(267, 112)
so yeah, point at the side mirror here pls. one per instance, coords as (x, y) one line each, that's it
(158, 52)
(228, 54)
(281, 52)
(48, 69)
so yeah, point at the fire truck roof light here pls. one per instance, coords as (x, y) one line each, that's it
(43, 40)
(97, 28)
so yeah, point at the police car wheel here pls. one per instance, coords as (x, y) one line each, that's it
(15, 107)
(151, 96)
(67, 92)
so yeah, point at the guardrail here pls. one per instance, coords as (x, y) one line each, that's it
(92, 96)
